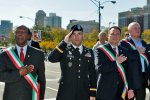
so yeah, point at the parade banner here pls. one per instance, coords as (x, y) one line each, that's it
(37, 35)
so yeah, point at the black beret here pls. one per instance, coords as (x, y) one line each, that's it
(76, 28)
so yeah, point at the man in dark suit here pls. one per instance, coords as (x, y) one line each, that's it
(139, 50)
(148, 52)
(78, 76)
(21, 75)
(31, 42)
(113, 67)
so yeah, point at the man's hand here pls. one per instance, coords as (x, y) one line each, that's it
(25, 70)
(67, 37)
(92, 98)
(141, 50)
(130, 94)
(120, 59)
(148, 82)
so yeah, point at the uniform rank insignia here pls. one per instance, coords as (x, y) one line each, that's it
(70, 52)
(70, 64)
(70, 56)
(88, 55)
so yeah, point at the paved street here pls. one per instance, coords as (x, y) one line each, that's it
(52, 77)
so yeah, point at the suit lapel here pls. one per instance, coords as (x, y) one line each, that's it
(84, 51)
(110, 48)
(131, 41)
(15, 50)
(120, 50)
(143, 43)
(28, 54)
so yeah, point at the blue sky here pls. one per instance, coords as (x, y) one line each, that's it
(67, 9)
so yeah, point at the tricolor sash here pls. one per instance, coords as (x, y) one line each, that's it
(29, 78)
(119, 67)
(141, 55)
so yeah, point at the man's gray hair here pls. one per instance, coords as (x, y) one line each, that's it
(132, 24)
(101, 33)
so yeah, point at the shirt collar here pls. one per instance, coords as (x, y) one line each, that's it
(24, 49)
(80, 47)
(29, 42)
(139, 40)
(115, 47)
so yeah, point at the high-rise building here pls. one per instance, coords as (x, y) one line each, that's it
(39, 19)
(140, 15)
(124, 19)
(87, 25)
(136, 14)
(0, 29)
(148, 2)
(147, 15)
(52, 20)
(6, 27)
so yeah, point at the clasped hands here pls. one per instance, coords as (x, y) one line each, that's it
(26, 69)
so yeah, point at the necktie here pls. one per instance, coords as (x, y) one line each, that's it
(115, 50)
(21, 55)
(77, 51)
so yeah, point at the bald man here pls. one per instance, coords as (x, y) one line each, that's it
(139, 50)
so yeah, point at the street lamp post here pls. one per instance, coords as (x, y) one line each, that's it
(113, 23)
(29, 19)
(109, 24)
(100, 6)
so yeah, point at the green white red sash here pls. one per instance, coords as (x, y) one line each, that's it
(30, 79)
(141, 55)
(119, 67)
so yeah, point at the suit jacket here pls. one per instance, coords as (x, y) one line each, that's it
(16, 87)
(137, 76)
(77, 72)
(109, 74)
(35, 44)
(148, 54)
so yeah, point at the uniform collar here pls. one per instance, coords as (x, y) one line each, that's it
(80, 48)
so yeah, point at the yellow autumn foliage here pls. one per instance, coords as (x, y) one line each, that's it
(55, 35)
(48, 45)
(146, 35)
